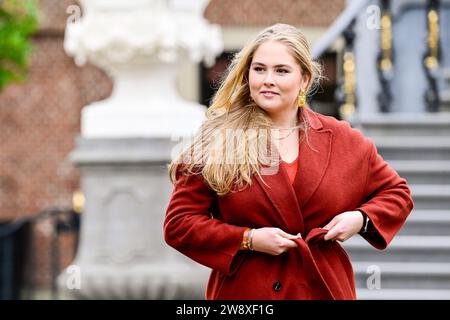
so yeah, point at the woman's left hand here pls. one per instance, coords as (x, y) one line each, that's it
(343, 226)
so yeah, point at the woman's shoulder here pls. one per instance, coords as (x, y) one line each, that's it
(341, 129)
(329, 122)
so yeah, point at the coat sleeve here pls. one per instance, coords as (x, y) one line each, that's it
(190, 227)
(388, 200)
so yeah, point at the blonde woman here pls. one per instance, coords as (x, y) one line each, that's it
(268, 185)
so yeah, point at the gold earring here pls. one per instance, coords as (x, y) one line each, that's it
(301, 100)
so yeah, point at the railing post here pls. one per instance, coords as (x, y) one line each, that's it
(6, 269)
(346, 91)
(54, 253)
(385, 58)
(432, 56)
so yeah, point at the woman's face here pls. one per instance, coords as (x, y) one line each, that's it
(275, 77)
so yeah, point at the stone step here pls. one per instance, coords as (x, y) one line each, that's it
(444, 106)
(401, 275)
(427, 222)
(444, 95)
(402, 294)
(423, 172)
(413, 147)
(446, 74)
(405, 124)
(401, 249)
(431, 196)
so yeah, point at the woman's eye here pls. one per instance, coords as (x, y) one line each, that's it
(258, 69)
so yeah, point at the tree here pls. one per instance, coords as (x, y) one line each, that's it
(18, 22)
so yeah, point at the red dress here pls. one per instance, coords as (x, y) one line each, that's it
(291, 169)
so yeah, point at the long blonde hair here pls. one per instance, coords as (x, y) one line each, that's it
(229, 163)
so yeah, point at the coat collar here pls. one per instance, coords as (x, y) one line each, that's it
(313, 119)
(289, 199)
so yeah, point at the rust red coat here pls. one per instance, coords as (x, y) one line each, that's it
(341, 172)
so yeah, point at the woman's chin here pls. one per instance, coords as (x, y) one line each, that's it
(268, 107)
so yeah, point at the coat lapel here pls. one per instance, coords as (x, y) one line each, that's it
(288, 199)
(314, 160)
(280, 192)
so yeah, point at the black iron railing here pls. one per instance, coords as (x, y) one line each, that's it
(389, 47)
(18, 249)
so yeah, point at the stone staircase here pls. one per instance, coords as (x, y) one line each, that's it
(416, 265)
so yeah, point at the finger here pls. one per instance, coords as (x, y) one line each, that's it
(290, 244)
(343, 237)
(331, 234)
(331, 224)
(287, 235)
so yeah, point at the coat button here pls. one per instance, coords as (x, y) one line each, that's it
(277, 286)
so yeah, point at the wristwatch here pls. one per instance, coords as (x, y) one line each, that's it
(366, 221)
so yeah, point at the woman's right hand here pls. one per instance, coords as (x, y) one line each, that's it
(273, 241)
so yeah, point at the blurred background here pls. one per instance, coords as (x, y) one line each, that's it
(95, 95)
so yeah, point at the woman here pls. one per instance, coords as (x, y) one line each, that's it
(264, 208)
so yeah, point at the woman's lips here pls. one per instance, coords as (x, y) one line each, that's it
(267, 94)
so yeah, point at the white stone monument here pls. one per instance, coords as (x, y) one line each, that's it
(140, 43)
(126, 143)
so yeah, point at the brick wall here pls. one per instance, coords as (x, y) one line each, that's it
(39, 120)
(311, 13)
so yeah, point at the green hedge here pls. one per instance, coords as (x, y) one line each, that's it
(18, 21)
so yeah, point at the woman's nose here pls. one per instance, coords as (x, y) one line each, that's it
(268, 80)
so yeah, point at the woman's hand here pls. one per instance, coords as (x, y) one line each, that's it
(343, 226)
(273, 241)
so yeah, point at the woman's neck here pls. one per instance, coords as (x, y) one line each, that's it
(285, 121)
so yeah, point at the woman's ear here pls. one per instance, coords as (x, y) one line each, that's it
(305, 81)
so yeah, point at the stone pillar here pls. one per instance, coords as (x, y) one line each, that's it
(127, 141)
